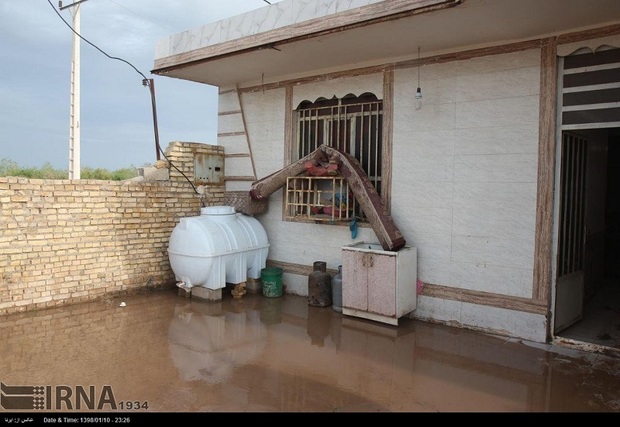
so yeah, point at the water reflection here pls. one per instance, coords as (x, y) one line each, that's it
(270, 310)
(318, 325)
(207, 342)
(290, 356)
(280, 354)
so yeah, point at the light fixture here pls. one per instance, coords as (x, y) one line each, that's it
(418, 92)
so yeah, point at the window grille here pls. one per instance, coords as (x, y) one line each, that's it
(350, 124)
(319, 198)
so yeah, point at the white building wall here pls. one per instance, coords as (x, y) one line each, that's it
(339, 88)
(465, 164)
(264, 117)
(463, 182)
(293, 242)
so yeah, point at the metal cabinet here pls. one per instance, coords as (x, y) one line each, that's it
(208, 169)
(377, 284)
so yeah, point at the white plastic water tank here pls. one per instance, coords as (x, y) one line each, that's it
(220, 246)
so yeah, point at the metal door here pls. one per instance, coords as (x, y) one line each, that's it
(571, 233)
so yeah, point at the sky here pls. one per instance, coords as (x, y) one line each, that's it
(116, 126)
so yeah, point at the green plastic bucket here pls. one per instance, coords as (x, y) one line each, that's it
(272, 281)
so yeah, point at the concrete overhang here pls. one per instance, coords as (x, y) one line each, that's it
(298, 43)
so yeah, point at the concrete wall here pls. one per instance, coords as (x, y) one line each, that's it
(66, 241)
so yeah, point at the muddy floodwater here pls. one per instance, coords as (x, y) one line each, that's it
(160, 351)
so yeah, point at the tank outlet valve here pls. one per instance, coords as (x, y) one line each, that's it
(181, 284)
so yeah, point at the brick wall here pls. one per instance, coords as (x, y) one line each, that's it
(66, 241)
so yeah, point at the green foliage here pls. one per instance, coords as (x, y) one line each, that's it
(47, 171)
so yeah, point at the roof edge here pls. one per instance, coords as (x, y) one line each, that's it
(337, 22)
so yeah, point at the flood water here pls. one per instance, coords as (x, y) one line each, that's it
(170, 353)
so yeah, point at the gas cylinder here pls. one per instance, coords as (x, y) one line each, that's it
(320, 285)
(337, 290)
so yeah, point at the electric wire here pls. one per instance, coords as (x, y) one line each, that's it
(93, 45)
(145, 82)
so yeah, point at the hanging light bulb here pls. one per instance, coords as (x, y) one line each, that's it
(418, 92)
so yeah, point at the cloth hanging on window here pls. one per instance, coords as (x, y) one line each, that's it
(353, 228)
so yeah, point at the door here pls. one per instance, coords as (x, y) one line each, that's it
(571, 232)
(382, 283)
(354, 280)
(369, 282)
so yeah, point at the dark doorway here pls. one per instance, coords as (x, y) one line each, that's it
(588, 310)
(599, 322)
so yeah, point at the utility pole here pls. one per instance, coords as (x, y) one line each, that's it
(74, 113)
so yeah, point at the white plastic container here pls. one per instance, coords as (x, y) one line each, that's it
(220, 246)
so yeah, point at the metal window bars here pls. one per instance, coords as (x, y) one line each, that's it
(319, 198)
(348, 124)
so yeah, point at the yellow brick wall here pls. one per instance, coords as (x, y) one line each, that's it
(66, 241)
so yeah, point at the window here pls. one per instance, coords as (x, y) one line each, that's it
(319, 198)
(352, 124)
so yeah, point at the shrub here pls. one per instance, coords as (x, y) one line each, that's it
(47, 171)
